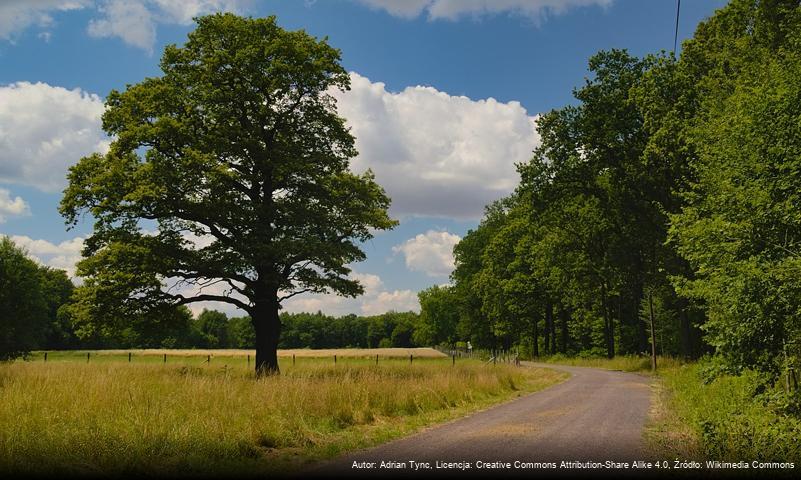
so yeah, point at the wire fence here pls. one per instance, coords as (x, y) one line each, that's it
(454, 355)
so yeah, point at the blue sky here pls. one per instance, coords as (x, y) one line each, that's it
(443, 101)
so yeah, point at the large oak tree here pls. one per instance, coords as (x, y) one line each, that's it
(227, 180)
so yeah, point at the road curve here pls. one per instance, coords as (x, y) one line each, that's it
(595, 415)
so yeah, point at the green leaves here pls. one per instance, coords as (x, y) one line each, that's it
(739, 229)
(23, 302)
(230, 169)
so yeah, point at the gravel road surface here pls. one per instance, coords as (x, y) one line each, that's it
(595, 415)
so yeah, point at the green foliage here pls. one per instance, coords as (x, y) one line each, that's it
(241, 333)
(33, 304)
(564, 262)
(213, 328)
(391, 329)
(57, 289)
(741, 226)
(23, 302)
(674, 177)
(736, 417)
(439, 316)
(231, 169)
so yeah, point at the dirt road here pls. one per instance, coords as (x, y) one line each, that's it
(596, 415)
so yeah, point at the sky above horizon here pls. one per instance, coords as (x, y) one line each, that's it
(443, 100)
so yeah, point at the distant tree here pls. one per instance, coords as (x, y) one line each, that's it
(238, 143)
(379, 331)
(57, 289)
(23, 305)
(241, 333)
(213, 328)
(439, 315)
(402, 326)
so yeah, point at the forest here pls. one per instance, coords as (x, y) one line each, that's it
(666, 194)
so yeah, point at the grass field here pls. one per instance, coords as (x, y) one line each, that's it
(189, 417)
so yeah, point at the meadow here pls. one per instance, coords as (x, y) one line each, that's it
(189, 416)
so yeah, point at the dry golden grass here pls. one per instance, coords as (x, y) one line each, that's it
(625, 363)
(112, 417)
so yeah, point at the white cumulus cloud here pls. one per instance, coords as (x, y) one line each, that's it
(437, 154)
(45, 129)
(430, 252)
(132, 22)
(455, 9)
(135, 21)
(18, 15)
(376, 299)
(63, 255)
(397, 300)
(12, 207)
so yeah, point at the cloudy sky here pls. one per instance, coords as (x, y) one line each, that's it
(443, 102)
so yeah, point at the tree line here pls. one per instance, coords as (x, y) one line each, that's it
(214, 329)
(36, 306)
(669, 192)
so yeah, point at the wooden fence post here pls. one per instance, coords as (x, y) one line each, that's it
(293, 359)
(165, 358)
(87, 357)
(129, 357)
(335, 359)
(410, 359)
(454, 359)
(376, 359)
(45, 356)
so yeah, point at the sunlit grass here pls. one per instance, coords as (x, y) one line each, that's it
(728, 418)
(625, 363)
(192, 417)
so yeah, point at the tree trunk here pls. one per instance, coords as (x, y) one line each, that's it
(267, 325)
(653, 329)
(535, 350)
(563, 314)
(609, 332)
(546, 334)
(685, 334)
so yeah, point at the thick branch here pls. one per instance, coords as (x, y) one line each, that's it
(181, 300)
